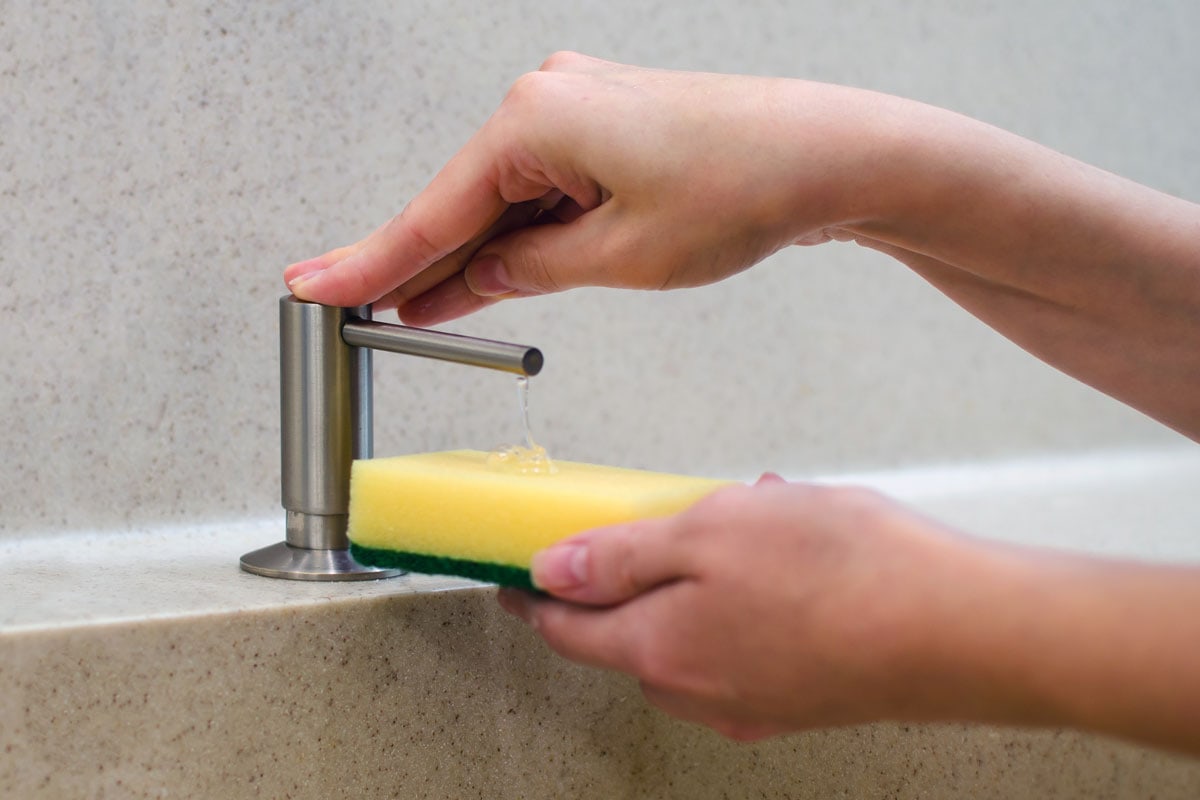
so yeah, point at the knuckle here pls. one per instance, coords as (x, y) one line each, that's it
(723, 503)
(659, 656)
(620, 557)
(556, 643)
(561, 59)
(529, 90)
(414, 238)
(548, 624)
(863, 509)
(537, 273)
(651, 662)
(662, 698)
(858, 501)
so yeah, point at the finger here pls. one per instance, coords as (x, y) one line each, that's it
(683, 706)
(514, 217)
(596, 637)
(568, 61)
(582, 634)
(591, 250)
(610, 565)
(463, 200)
(293, 272)
(680, 706)
(728, 719)
(564, 211)
(460, 204)
(515, 602)
(609, 639)
(486, 279)
(549, 200)
(450, 299)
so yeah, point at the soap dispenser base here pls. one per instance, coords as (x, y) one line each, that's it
(281, 560)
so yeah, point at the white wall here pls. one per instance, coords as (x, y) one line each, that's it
(161, 163)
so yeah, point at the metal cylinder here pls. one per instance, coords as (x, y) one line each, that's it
(516, 358)
(322, 427)
(325, 423)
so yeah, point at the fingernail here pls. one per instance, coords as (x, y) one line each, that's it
(301, 268)
(300, 278)
(297, 282)
(560, 567)
(295, 273)
(487, 277)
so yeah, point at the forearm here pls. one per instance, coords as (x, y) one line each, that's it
(1050, 639)
(1092, 273)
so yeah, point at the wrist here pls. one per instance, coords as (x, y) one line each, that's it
(968, 650)
(862, 161)
(925, 166)
(1022, 636)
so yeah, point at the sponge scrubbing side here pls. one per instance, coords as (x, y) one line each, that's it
(452, 513)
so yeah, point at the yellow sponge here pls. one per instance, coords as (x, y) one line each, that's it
(453, 513)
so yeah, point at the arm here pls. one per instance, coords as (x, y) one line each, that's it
(780, 607)
(1092, 273)
(658, 179)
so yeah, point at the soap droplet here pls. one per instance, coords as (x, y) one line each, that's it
(530, 458)
(521, 460)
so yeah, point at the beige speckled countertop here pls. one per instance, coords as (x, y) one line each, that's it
(104, 578)
(1140, 504)
(148, 665)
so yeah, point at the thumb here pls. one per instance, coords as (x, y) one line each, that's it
(551, 257)
(610, 565)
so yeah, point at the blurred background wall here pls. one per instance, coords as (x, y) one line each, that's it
(161, 162)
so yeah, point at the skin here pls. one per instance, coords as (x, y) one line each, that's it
(780, 607)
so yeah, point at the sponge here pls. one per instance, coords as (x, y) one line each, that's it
(453, 513)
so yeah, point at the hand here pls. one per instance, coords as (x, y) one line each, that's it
(762, 609)
(780, 607)
(601, 174)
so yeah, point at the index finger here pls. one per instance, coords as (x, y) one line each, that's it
(460, 203)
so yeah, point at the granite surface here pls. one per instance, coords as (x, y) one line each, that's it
(1136, 504)
(444, 696)
(148, 665)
